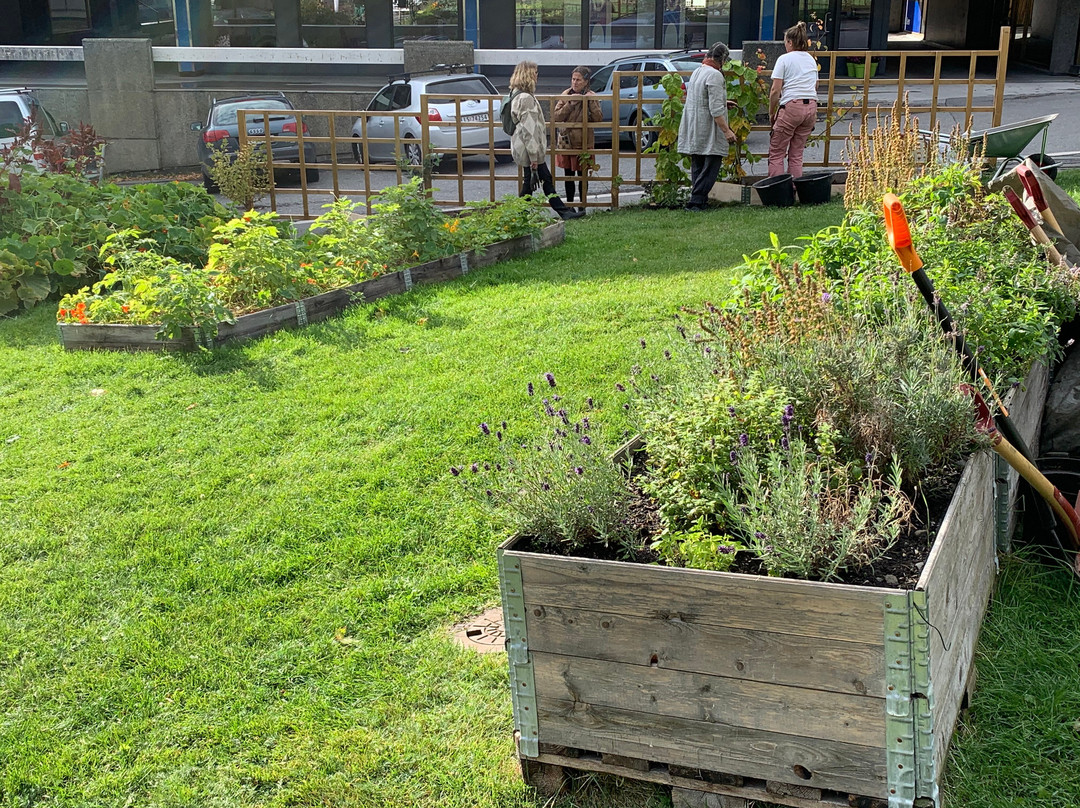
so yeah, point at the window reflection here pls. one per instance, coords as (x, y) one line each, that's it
(695, 23)
(622, 23)
(426, 19)
(69, 15)
(549, 23)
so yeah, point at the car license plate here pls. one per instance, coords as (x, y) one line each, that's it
(256, 130)
(481, 118)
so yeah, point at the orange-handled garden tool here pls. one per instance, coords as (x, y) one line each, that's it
(1009, 442)
(1034, 189)
(1036, 230)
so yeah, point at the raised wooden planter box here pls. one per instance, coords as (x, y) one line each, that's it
(756, 688)
(76, 336)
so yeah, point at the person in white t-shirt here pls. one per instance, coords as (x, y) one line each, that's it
(792, 103)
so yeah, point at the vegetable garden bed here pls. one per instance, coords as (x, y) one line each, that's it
(756, 688)
(79, 336)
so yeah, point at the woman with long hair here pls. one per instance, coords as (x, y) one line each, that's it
(792, 102)
(528, 144)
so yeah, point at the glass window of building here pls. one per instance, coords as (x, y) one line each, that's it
(695, 23)
(622, 23)
(426, 19)
(549, 23)
(69, 15)
(244, 23)
(333, 23)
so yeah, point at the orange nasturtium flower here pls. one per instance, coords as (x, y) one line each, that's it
(125, 309)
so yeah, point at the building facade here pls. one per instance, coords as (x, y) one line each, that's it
(1047, 31)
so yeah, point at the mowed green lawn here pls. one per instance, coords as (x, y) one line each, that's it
(228, 578)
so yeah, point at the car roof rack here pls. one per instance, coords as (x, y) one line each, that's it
(448, 69)
(15, 90)
(253, 94)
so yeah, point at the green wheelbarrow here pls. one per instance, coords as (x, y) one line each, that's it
(1003, 143)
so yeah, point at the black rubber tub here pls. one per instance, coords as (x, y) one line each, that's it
(777, 191)
(814, 189)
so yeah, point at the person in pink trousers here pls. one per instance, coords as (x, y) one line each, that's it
(792, 103)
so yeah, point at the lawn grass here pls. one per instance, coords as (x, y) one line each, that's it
(225, 579)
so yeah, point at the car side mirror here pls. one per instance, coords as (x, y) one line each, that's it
(196, 127)
(63, 127)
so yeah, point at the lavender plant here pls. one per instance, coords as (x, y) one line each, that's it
(561, 490)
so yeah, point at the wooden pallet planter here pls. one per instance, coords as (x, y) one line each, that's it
(76, 336)
(732, 687)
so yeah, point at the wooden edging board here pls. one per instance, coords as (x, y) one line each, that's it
(77, 336)
(823, 691)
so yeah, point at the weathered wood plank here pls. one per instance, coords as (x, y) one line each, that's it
(701, 744)
(116, 336)
(684, 644)
(715, 699)
(785, 606)
(731, 786)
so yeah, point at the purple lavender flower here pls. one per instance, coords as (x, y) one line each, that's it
(455, 470)
(759, 535)
(784, 443)
(744, 439)
(550, 379)
(731, 411)
(681, 330)
(548, 409)
(498, 434)
(489, 493)
(667, 354)
(485, 429)
(620, 387)
(825, 297)
(869, 458)
(708, 349)
(474, 468)
(585, 424)
(725, 549)
(578, 470)
(530, 388)
(503, 424)
(642, 342)
(654, 377)
(498, 467)
(626, 407)
(586, 440)
(487, 467)
(734, 456)
(545, 486)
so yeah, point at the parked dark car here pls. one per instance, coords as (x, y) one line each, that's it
(222, 131)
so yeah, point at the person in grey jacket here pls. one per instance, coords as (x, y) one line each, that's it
(704, 133)
(528, 144)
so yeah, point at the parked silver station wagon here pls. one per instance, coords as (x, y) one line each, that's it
(403, 95)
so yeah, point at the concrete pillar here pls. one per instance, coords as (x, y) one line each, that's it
(1063, 47)
(120, 92)
(287, 23)
(380, 24)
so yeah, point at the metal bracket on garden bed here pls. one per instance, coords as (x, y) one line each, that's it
(522, 683)
(909, 700)
(301, 313)
(464, 258)
(406, 275)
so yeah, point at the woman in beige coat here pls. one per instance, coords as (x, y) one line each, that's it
(528, 144)
(571, 110)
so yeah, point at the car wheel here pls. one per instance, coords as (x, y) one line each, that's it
(358, 153)
(209, 184)
(313, 175)
(412, 153)
(645, 138)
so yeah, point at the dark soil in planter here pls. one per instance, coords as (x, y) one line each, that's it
(899, 568)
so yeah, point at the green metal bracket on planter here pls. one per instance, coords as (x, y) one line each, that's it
(909, 751)
(406, 275)
(464, 259)
(1001, 505)
(301, 313)
(522, 681)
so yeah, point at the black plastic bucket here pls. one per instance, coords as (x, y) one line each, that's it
(777, 191)
(1046, 163)
(814, 189)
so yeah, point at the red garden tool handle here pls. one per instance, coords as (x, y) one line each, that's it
(1031, 185)
(896, 226)
(1021, 209)
(1065, 512)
